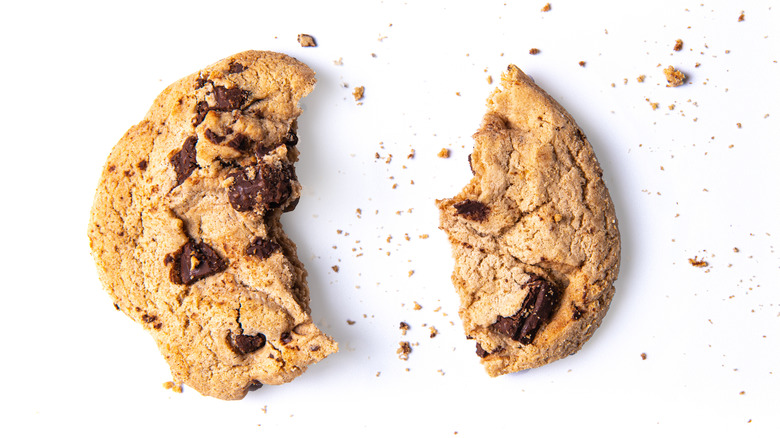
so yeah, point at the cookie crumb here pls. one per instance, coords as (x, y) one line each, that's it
(545, 8)
(404, 350)
(335, 268)
(411, 154)
(404, 327)
(358, 93)
(490, 79)
(674, 77)
(306, 40)
(417, 306)
(678, 45)
(641, 78)
(736, 249)
(741, 16)
(350, 322)
(411, 272)
(339, 61)
(582, 63)
(434, 332)
(534, 51)
(644, 356)
(695, 262)
(444, 153)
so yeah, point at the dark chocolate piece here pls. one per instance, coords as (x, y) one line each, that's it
(236, 68)
(262, 248)
(536, 310)
(228, 99)
(245, 344)
(472, 210)
(185, 162)
(194, 261)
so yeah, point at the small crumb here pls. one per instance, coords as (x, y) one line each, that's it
(411, 272)
(698, 263)
(644, 356)
(739, 125)
(444, 153)
(264, 409)
(545, 8)
(404, 350)
(654, 105)
(417, 306)
(678, 45)
(358, 93)
(434, 332)
(674, 77)
(177, 389)
(306, 40)
(641, 78)
(404, 327)
(741, 16)
(411, 154)
(168, 385)
(671, 107)
(534, 51)
(378, 373)
(736, 249)
(582, 63)
(490, 79)
(424, 236)
(335, 268)
(741, 392)
(338, 62)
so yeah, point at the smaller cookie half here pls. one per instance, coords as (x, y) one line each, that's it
(534, 233)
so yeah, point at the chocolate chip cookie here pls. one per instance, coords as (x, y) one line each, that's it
(185, 227)
(534, 233)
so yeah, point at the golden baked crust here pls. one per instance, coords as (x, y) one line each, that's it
(534, 233)
(185, 226)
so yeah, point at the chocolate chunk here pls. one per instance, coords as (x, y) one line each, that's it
(272, 183)
(194, 261)
(536, 310)
(481, 352)
(276, 185)
(291, 139)
(201, 109)
(213, 137)
(245, 344)
(286, 338)
(240, 142)
(262, 248)
(148, 318)
(472, 210)
(142, 165)
(200, 82)
(184, 161)
(228, 99)
(254, 385)
(236, 68)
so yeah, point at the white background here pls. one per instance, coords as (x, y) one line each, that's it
(76, 76)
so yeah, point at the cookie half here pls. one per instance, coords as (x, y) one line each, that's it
(534, 233)
(185, 227)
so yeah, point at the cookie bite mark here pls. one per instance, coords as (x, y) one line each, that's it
(536, 310)
(472, 210)
(184, 162)
(194, 261)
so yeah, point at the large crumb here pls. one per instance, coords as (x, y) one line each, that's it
(546, 8)
(678, 45)
(444, 153)
(404, 350)
(674, 77)
(404, 327)
(698, 263)
(534, 51)
(306, 40)
(358, 93)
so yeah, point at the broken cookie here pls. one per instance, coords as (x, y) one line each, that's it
(534, 234)
(185, 227)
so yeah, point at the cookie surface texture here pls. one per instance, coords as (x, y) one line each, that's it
(185, 227)
(534, 233)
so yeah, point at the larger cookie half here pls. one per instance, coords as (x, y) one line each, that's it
(534, 234)
(185, 227)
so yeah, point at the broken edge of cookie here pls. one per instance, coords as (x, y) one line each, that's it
(534, 233)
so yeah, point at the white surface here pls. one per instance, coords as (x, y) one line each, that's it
(77, 75)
